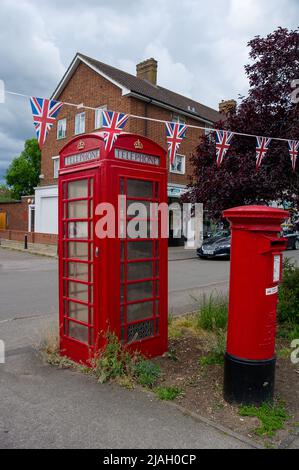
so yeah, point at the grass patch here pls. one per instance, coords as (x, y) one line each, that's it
(213, 312)
(168, 393)
(272, 417)
(179, 326)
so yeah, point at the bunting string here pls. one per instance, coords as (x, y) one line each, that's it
(175, 132)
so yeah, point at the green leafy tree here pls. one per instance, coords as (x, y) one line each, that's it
(5, 193)
(23, 173)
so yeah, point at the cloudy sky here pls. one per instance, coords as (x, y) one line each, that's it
(200, 47)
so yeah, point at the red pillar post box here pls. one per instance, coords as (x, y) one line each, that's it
(255, 273)
(116, 282)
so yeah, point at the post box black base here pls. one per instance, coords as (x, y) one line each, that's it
(248, 382)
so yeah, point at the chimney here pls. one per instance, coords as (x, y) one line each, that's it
(147, 70)
(227, 107)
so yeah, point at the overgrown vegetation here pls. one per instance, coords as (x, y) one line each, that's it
(288, 305)
(209, 322)
(216, 355)
(5, 194)
(213, 312)
(113, 362)
(272, 417)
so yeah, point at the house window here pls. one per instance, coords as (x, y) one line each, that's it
(178, 165)
(209, 133)
(80, 123)
(61, 129)
(55, 167)
(98, 117)
(207, 128)
(178, 118)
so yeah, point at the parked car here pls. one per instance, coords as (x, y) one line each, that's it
(293, 239)
(217, 234)
(215, 247)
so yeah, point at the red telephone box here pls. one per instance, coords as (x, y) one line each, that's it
(255, 273)
(115, 283)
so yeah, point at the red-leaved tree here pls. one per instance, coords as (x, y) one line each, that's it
(269, 110)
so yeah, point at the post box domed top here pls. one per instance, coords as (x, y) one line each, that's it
(256, 217)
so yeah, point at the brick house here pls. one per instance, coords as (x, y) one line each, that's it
(99, 85)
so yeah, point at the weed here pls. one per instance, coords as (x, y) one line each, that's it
(213, 312)
(168, 393)
(216, 355)
(170, 354)
(284, 353)
(49, 349)
(272, 417)
(112, 361)
(146, 372)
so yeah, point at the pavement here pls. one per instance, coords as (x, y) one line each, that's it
(45, 407)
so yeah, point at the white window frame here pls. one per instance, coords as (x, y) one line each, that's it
(56, 165)
(64, 134)
(96, 113)
(31, 207)
(178, 118)
(81, 123)
(172, 170)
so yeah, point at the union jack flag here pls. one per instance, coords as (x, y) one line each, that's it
(113, 123)
(223, 141)
(293, 149)
(262, 145)
(175, 132)
(44, 113)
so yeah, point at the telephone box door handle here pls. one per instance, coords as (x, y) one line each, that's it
(97, 252)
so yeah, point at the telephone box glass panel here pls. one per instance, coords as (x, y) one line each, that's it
(139, 294)
(78, 260)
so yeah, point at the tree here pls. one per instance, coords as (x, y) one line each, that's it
(5, 193)
(23, 173)
(268, 110)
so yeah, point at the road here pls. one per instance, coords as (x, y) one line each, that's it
(46, 407)
(28, 283)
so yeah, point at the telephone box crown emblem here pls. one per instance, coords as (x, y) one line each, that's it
(138, 145)
(81, 145)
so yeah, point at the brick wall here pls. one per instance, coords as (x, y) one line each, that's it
(88, 87)
(16, 214)
(33, 237)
